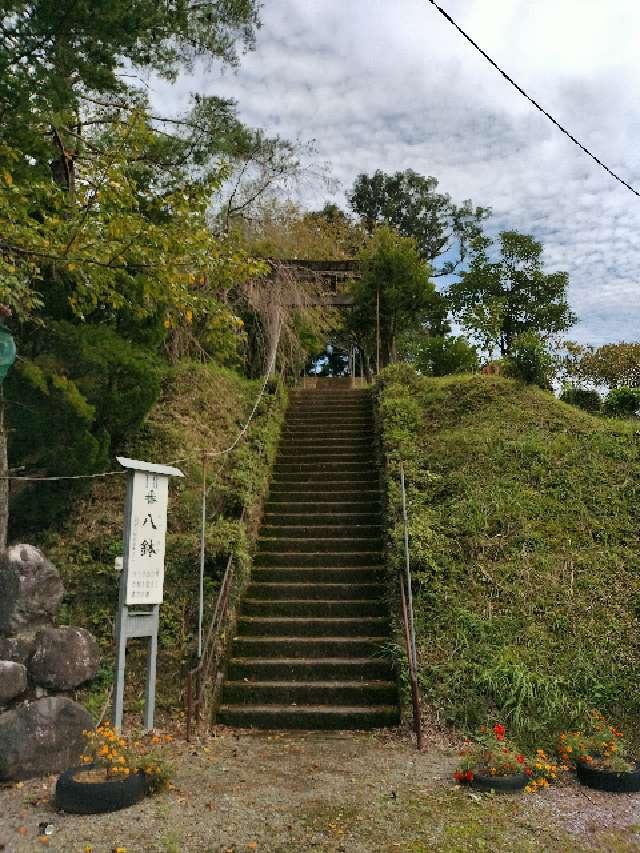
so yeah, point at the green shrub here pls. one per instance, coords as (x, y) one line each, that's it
(622, 403)
(589, 401)
(440, 355)
(75, 396)
(530, 361)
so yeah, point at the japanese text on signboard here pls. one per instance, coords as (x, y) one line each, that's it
(145, 567)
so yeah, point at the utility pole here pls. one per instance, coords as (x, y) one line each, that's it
(377, 331)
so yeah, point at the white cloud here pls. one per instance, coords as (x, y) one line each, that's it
(392, 85)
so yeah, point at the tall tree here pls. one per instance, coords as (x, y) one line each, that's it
(614, 365)
(497, 300)
(284, 230)
(104, 205)
(395, 279)
(411, 204)
(92, 183)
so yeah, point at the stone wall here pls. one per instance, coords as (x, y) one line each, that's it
(40, 730)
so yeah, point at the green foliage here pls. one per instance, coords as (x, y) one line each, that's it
(73, 398)
(439, 355)
(622, 403)
(583, 398)
(614, 365)
(530, 361)
(202, 406)
(95, 187)
(410, 203)
(391, 266)
(524, 550)
(499, 300)
(283, 230)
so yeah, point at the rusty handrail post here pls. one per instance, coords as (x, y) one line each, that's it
(407, 618)
(189, 703)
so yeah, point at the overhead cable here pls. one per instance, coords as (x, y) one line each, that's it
(532, 101)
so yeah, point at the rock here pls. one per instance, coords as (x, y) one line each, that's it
(18, 649)
(30, 590)
(41, 737)
(63, 658)
(13, 680)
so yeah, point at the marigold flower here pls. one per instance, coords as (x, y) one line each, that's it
(520, 759)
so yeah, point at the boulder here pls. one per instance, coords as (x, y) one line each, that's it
(30, 590)
(18, 649)
(64, 658)
(13, 680)
(41, 737)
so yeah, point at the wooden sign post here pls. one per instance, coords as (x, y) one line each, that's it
(142, 576)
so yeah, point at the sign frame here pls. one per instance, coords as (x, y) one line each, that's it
(139, 618)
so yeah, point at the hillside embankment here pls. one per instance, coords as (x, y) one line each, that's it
(524, 519)
(202, 407)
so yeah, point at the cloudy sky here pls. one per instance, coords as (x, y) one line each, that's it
(390, 84)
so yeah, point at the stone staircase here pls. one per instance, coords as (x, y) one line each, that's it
(312, 620)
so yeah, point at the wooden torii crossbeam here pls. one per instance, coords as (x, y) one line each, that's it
(329, 276)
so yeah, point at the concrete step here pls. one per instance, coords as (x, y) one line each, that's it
(310, 669)
(320, 519)
(315, 574)
(305, 647)
(288, 626)
(309, 717)
(280, 505)
(307, 545)
(364, 478)
(325, 423)
(322, 559)
(325, 531)
(298, 431)
(279, 590)
(305, 456)
(325, 441)
(319, 491)
(325, 466)
(317, 394)
(313, 621)
(311, 608)
(326, 461)
(292, 693)
(348, 410)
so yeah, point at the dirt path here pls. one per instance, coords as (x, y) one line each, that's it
(343, 792)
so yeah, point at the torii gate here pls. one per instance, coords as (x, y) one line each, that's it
(326, 275)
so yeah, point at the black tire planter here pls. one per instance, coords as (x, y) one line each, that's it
(499, 784)
(98, 797)
(616, 782)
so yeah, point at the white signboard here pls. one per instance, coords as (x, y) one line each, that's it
(148, 527)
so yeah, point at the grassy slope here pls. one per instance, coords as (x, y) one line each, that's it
(202, 406)
(524, 517)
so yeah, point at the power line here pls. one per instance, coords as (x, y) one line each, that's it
(533, 101)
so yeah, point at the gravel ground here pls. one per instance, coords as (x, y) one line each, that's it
(343, 792)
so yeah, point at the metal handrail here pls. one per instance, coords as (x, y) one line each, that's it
(212, 651)
(406, 599)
